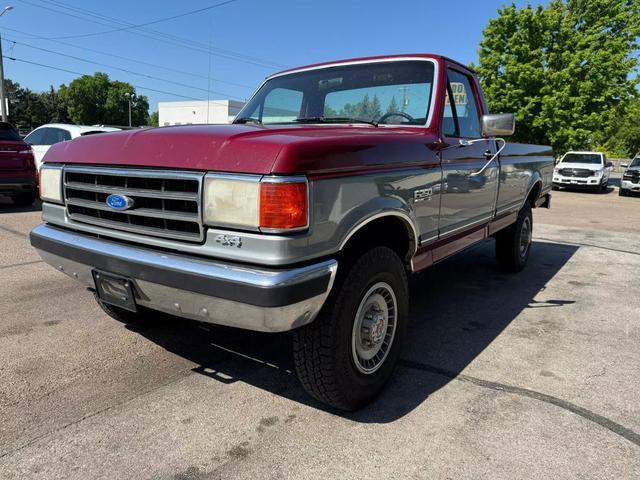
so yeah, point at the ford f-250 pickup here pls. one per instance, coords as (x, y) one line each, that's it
(306, 214)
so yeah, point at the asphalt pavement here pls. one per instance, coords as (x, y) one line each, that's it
(535, 375)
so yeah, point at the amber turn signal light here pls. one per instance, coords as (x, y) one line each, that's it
(283, 205)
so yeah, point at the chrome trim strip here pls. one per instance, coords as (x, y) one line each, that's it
(394, 213)
(468, 225)
(434, 86)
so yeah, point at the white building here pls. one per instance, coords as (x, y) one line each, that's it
(195, 112)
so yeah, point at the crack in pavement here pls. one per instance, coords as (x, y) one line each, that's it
(610, 425)
(180, 375)
(579, 244)
(33, 262)
(14, 232)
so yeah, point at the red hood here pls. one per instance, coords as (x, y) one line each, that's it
(249, 148)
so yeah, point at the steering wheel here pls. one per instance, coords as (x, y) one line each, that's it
(396, 114)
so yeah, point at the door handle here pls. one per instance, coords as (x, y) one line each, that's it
(488, 154)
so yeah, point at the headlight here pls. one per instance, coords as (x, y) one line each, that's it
(268, 204)
(597, 173)
(51, 183)
(231, 201)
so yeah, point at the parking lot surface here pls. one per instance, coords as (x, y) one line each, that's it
(535, 375)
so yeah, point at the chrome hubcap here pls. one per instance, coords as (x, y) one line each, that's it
(374, 328)
(526, 233)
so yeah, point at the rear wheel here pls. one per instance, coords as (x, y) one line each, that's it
(345, 357)
(513, 244)
(24, 199)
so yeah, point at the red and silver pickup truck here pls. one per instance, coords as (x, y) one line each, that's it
(334, 182)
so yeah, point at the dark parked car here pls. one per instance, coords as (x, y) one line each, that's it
(18, 178)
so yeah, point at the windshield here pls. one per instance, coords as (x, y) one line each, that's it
(589, 158)
(635, 163)
(384, 92)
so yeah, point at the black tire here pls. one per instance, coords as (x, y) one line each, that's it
(122, 315)
(24, 199)
(555, 187)
(622, 192)
(604, 187)
(325, 351)
(513, 244)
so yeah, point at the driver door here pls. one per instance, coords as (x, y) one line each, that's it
(468, 192)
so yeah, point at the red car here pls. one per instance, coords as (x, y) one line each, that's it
(18, 178)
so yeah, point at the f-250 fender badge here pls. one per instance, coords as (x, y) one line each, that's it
(229, 240)
(422, 195)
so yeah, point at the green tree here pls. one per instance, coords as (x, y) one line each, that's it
(28, 109)
(154, 119)
(624, 140)
(393, 106)
(564, 69)
(95, 99)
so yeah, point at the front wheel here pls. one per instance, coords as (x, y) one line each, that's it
(622, 192)
(513, 244)
(345, 357)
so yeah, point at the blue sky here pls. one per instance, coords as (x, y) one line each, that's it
(249, 38)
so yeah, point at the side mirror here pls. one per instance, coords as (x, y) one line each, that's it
(624, 165)
(609, 164)
(498, 125)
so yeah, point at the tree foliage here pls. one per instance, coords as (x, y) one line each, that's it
(28, 109)
(567, 70)
(95, 99)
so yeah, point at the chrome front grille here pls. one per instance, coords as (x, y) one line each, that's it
(576, 172)
(165, 203)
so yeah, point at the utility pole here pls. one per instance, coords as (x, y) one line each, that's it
(405, 100)
(3, 95)
(130, 97)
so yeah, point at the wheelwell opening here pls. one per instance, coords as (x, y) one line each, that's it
(534, 193)
(390, 231)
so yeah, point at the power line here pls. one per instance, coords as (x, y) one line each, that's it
(84, 11)
(192, 12)
(129, 59)
(140, 87)
(80, 73)
(121, 69)
(150, 34)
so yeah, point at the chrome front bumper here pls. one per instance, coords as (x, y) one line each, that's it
(627, 185)
(253, 298)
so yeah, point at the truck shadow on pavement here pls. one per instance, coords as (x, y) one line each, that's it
(7, 206)
(458, 308)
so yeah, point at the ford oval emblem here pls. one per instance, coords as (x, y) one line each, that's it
(119, 202)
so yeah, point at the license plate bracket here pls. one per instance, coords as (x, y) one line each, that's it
(115, 290)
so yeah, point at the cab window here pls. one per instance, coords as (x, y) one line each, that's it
(461, 117)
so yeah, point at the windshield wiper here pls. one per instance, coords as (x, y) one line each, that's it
(248, 120)
(334, 120)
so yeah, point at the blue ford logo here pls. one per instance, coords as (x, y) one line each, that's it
(119, 202)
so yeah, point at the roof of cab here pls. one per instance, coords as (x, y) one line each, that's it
(405, 56)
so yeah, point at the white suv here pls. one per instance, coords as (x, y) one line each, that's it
(582, 170)
(43, 137)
